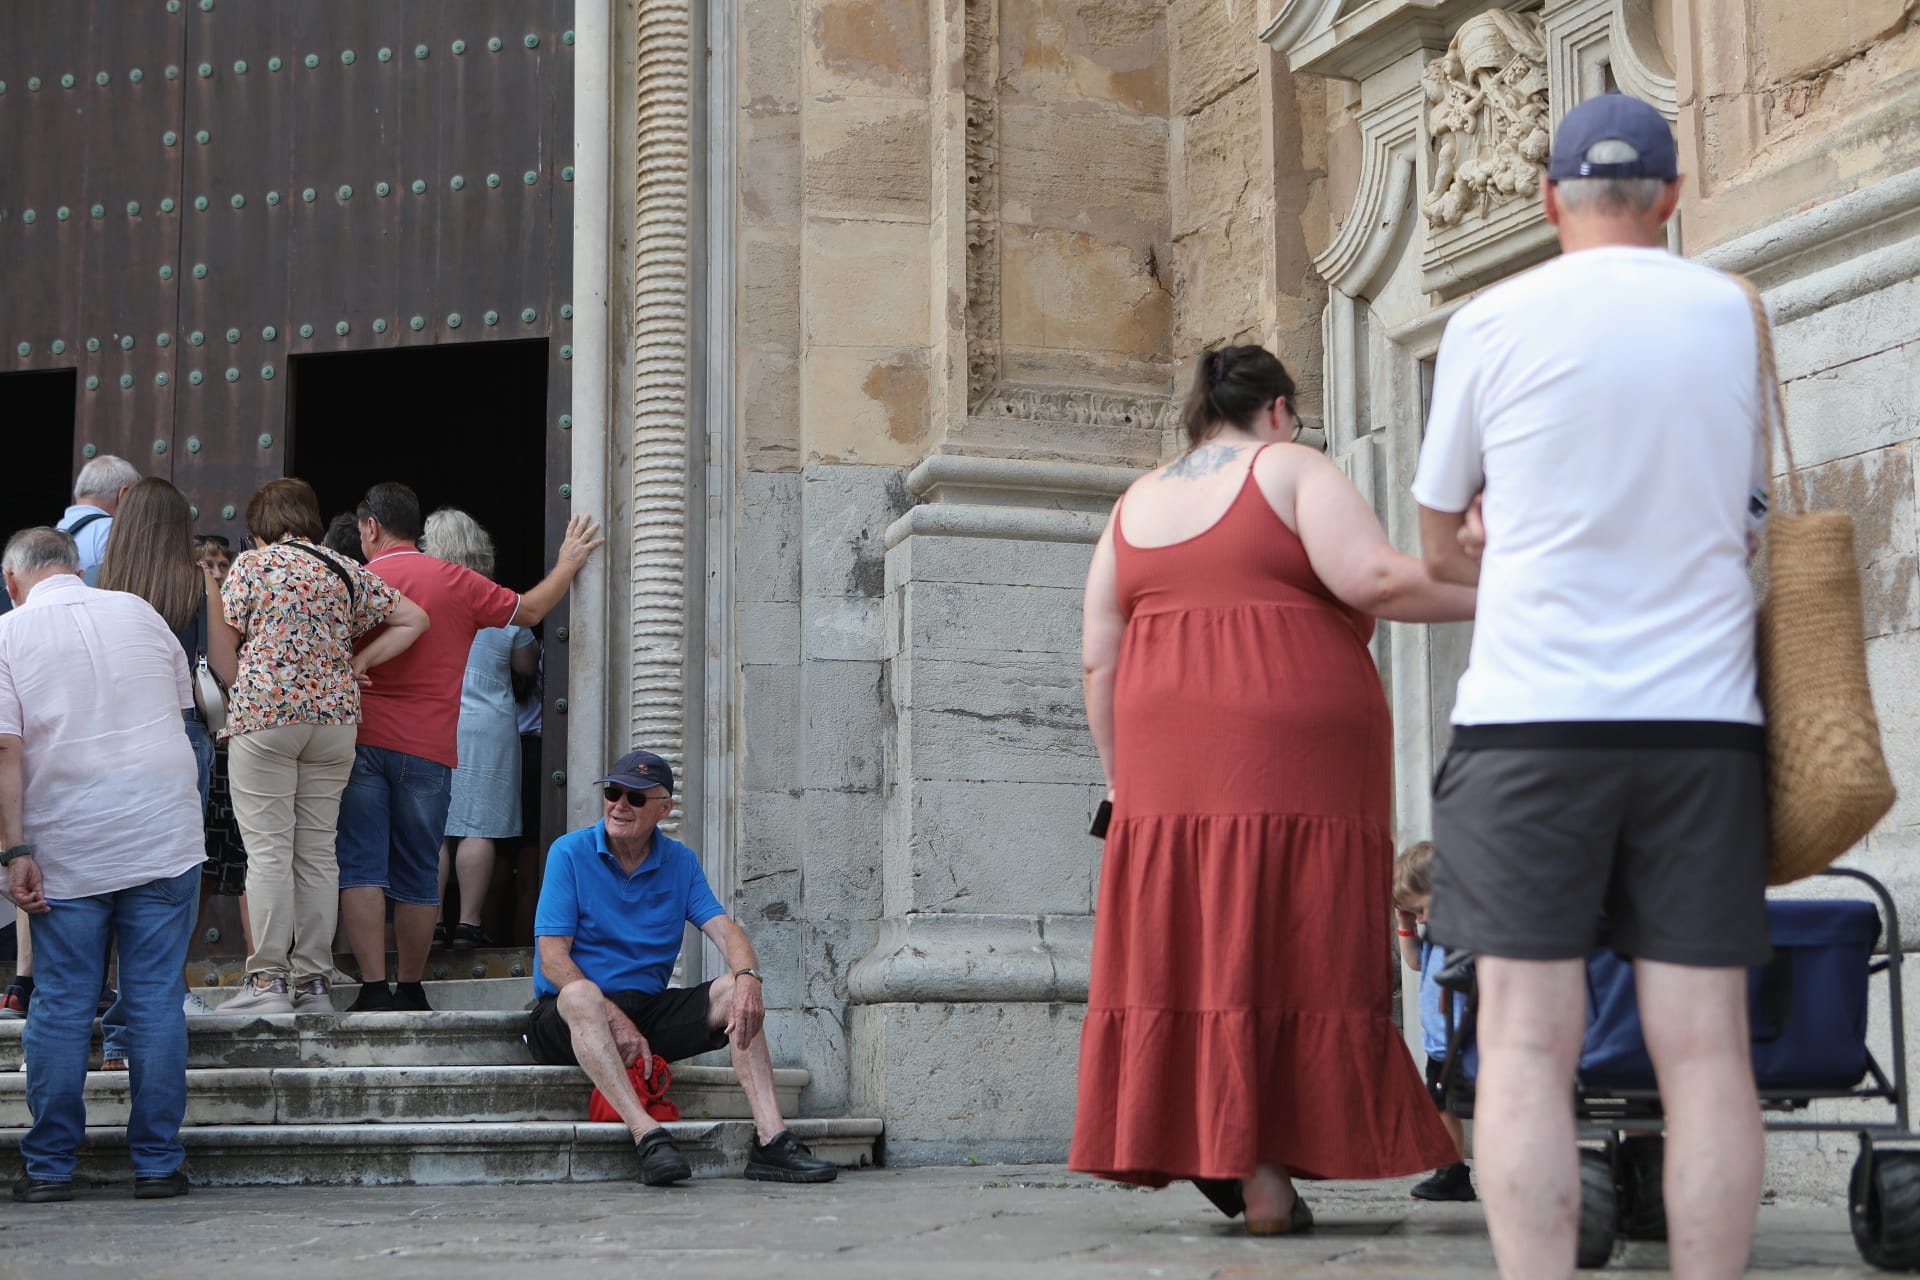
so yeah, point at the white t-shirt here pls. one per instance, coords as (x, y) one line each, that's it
(93, 683)
(1607, 404)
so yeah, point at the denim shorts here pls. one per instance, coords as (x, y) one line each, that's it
(393, 816)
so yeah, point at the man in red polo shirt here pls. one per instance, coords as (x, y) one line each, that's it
(393, 815)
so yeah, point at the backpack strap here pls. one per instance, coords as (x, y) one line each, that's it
(73, 530)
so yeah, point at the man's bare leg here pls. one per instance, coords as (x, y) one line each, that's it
(413, 939)
(753, 1064)
(1696, 1027)
(364, 913)
(1532, 1016)
(585, 1011)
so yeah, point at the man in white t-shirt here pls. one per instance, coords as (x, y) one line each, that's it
(101, 841)
(1600, 415)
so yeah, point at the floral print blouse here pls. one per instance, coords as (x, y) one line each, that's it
(297, 628)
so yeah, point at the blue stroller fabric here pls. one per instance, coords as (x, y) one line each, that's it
(1807, 1006)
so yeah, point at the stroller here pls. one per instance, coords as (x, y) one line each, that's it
(1808, 1008)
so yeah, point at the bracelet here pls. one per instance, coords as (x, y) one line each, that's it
(1408, 933)
(18, 851)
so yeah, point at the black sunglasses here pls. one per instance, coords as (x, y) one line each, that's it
(615, 794)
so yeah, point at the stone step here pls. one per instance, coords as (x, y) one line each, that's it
(457, 1038)
(442, 965)
(455, 994)
(452, 1154)
(307, 1096)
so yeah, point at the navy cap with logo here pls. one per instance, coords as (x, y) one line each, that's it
(1614, 117)
(639, 770)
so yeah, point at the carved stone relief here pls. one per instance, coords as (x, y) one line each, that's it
(1487, 116)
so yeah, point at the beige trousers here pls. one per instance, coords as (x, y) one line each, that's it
(286, 786)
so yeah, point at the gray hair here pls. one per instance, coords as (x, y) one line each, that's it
(104, 477)
(1610, 195)
(32, 552)
(456, 537)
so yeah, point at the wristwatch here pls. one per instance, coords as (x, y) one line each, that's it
(745, 973)
(26, 851)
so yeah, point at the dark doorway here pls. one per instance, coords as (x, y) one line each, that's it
(36, 434)
(463, 426)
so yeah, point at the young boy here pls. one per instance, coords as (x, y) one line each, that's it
(1412, 889)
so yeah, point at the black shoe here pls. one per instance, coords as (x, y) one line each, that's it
(411, 997)
(440, 936)
(165, 1187)
(30, 1190)
(1450, 1183)
(468, 936)
(787, 1159)
(374, 997)
(660, 1161)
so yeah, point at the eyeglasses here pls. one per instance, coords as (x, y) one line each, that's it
(615, 794)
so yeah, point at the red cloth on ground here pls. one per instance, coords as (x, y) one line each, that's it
(652, 1094)
(1239, 1012)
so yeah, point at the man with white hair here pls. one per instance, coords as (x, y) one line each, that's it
(101, 841)
(97, 491)
(1603, 412)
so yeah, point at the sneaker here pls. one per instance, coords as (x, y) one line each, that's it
(31, 1190)
(260, 993)
(411, 997)
(13, 1003)
(164, 1187)
(787, 1159)
(1451, 1183)
(661, 1163)
(440, 936)
(468, 936)
(193, 1006)
(374, 997)
(314, 995)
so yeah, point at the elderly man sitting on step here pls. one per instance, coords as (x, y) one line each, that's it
(613, 908)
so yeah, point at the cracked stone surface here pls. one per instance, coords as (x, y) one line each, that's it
(1004, 1221)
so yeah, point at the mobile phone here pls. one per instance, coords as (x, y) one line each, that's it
(1101, 817)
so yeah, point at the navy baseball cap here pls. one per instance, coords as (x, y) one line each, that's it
(1614, 117)
(638, 770)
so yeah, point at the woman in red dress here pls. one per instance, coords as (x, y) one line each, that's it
(1238, 1031)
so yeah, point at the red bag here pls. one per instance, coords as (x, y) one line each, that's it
(652, 1094)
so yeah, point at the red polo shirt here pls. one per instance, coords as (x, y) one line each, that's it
(413, 705)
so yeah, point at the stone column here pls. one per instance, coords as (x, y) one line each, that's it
(966, 1013)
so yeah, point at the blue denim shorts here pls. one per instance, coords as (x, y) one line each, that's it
(393, 816)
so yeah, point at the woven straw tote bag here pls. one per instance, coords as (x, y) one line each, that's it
(1827, 779)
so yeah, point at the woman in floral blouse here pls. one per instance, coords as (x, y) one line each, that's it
(292, 723)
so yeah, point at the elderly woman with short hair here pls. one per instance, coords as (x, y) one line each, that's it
(292, 726)
(486, 783)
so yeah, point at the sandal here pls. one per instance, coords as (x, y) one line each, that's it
(1223, 1193)
(1299, 1219)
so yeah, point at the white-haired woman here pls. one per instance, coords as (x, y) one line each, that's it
(486, 782)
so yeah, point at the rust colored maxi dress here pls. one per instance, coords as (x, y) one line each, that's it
(1239, 1009)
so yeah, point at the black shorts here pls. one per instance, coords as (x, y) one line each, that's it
(674, 1022)
(1436, 1081)
(1532, 844)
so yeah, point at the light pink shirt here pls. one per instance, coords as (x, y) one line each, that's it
(92, 683)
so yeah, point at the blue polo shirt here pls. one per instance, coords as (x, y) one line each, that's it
(626, 929)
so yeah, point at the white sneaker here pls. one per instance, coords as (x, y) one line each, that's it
(260, 993)
(313, 996)
(194, 1006)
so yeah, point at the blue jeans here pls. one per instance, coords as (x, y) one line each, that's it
(113, 1023)
(151, 922)
(393, 816)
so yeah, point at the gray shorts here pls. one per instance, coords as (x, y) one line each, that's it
(1532, 844)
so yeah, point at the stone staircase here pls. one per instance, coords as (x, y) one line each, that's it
(425, 1098)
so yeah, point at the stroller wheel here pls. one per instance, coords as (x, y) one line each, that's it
(1598, 1209)
(1641, 1163)
(1884, 1206)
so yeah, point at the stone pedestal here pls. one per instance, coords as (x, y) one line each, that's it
(966, 1014)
